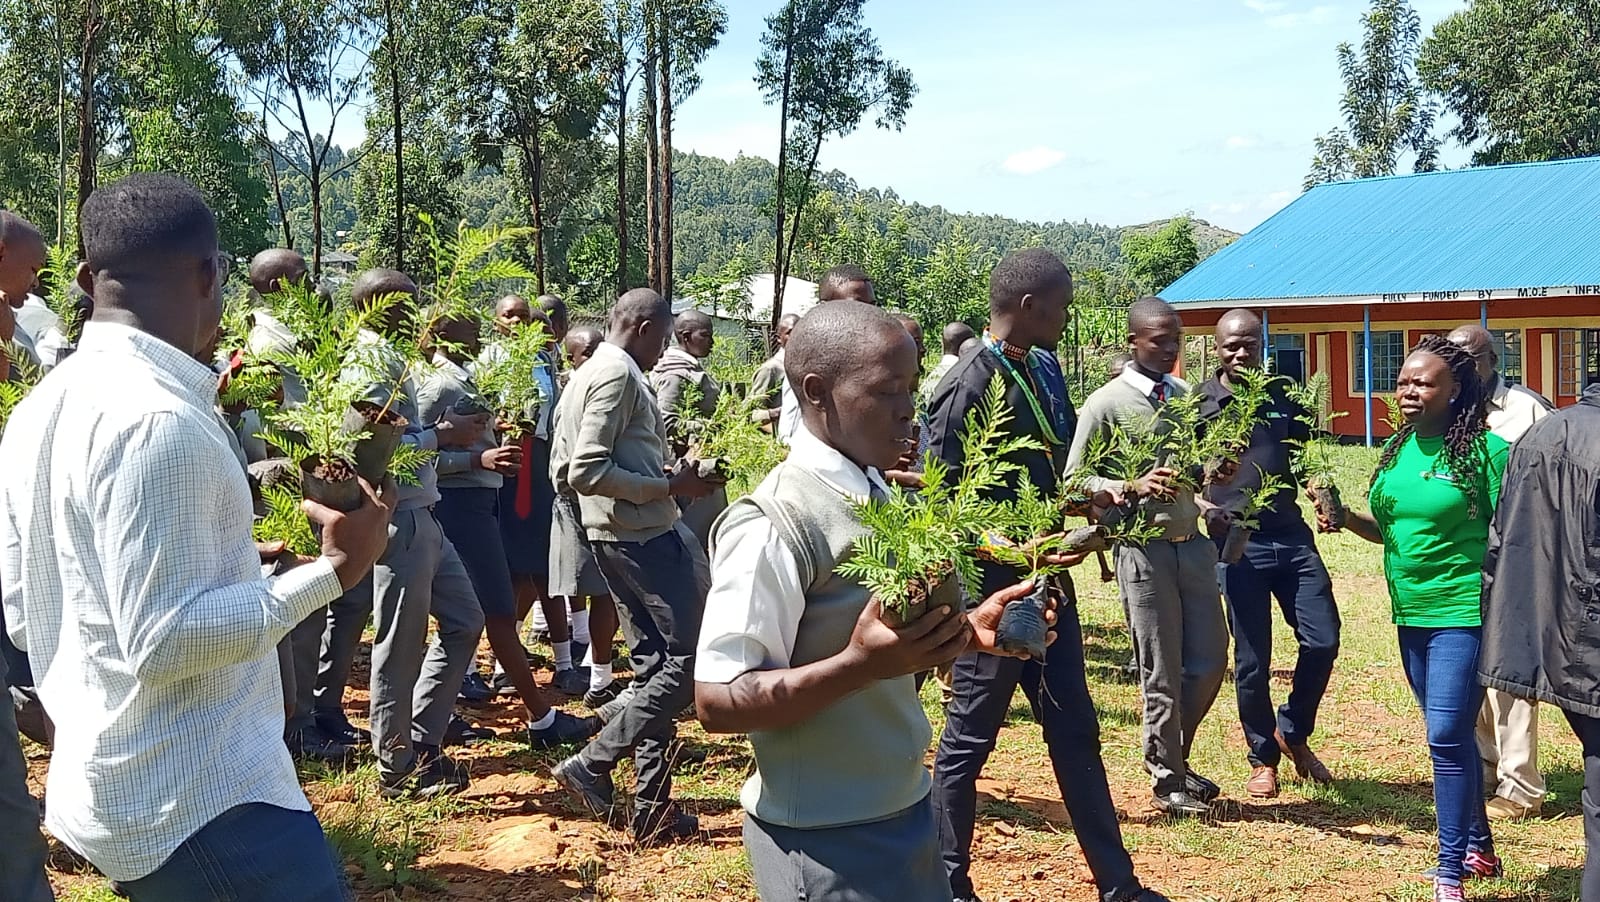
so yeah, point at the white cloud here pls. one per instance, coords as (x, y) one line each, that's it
(1316, 15)
(1033, 160)
(1241, 142)
(1264, 6)
(1277, 200)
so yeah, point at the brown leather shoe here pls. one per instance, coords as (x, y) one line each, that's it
(1306, 762)
(1263, 783)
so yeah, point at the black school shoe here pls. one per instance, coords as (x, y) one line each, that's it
(594, 791)
(311, 744)
(1201, 788)
(598, 698)
(567, 730)
(434, 775)
(459, 732)
(670, 825)
(1180, 804)
(338, 728)
(475, 689)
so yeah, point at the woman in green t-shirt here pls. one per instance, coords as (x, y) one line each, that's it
(1432, 497)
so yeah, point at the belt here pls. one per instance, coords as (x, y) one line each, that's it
(1188, 538)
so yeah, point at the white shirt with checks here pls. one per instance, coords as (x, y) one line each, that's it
(131, 579)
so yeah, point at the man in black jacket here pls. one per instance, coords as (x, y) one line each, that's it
(1281, 560)
(1541, 619)
(1029, 293)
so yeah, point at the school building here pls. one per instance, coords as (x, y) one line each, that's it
(1351, 275)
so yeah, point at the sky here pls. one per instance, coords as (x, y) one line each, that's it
(1115, 112)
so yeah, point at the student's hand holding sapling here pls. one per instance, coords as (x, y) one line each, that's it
(883, 652)
(985, 618)
(353, 542)
(686, 482)
(1155, 484)
(505, 460)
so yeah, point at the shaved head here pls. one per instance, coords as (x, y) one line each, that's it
(556, 309)
(1477, 341)
(689, 321)
(1236, 321)
(374, 284)
(954, 336)
(847, 282)
(854, 369)
(1029, 293)
(1149, 311)
(641, 323)
(580, 344)
(1155, 336)
(22, 256)
(274, 266)
(785, 326)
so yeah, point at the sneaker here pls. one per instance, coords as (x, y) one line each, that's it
(475, 688)
(435, 775)
(1180, 804)
(1448, 892)
(1501, 808)
(337, 727)
(1201, 788)
(608, 711)
(459, 732)
(572, 681)
(567, 730)
(593, 791)
(311, 744)
(671, 826)
(596, 698)
(1476, 866)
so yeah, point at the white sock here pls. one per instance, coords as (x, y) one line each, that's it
(545, 722)
(599, 677)
(539, 622)
(563, 652)
(580, 626)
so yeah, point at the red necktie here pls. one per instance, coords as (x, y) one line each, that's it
(1159, 393)
(525, 480)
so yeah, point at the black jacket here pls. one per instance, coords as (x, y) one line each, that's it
(962, 390)
(1271, 446)
(1541, 621)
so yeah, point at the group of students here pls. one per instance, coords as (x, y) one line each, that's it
(158, 633)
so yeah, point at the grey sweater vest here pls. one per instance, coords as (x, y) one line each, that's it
(861, 759)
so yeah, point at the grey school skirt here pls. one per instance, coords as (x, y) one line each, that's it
(573, 571)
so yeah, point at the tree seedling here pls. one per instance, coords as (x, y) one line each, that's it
(1315, 458)
(1247, 519)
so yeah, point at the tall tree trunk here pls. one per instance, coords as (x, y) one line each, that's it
(61, 126)
(664, 168)
(805, 197)
(652, 162)
(315, 158)
(779, 274)
(531, 143)
(622, 154)
(399, 140)
(88, 141)
(277, 193)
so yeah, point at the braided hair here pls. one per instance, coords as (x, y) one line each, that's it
(1465, 449)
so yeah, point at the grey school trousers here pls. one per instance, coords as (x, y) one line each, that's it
(22, 851)
(1180, 639)
(892, 860)
(345, 620)
(415, 682)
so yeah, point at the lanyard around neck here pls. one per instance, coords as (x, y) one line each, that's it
(1045, 425)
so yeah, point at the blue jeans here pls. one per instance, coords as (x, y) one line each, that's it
(1293, 572)
(1441, 666)
(250, 853)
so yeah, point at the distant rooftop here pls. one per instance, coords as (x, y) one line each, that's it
(1486, 233)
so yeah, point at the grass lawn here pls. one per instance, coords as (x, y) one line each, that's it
(514, 836)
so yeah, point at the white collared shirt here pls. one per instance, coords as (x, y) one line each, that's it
(753, 611)
(1145, 385)
(1514, 409)
(132, 582)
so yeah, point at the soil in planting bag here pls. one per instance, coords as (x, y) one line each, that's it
(331, 484)
(1022, 628)
(383, 428)
(1233, 547)
(1329, 506)
(946, 593)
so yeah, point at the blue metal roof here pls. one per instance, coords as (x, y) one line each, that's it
(1493, 229)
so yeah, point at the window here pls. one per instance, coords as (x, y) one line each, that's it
(1286, 355)
(1388, 355)
(1569, 366)
(1508, 347)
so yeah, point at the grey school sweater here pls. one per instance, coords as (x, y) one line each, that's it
(1119, 403)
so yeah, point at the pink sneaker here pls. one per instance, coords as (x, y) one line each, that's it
(1448, 892)
(1482, 864)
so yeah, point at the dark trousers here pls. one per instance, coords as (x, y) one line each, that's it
(1293, 573)
(1588, 730)
(660, 587)
(22, 850)
(248, 853)
(1059, 694)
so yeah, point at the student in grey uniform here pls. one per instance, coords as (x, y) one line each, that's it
(799, 657)
(414, 683)
(469, 496)
(679, 368)
(574, 574)
(613, 449)
(1169, 585)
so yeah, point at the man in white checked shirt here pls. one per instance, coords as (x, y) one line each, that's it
(132, 581)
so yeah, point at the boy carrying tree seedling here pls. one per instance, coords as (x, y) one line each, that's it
(1280, 559)
(1168, 584)
(802, 658)
(1029, 293)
